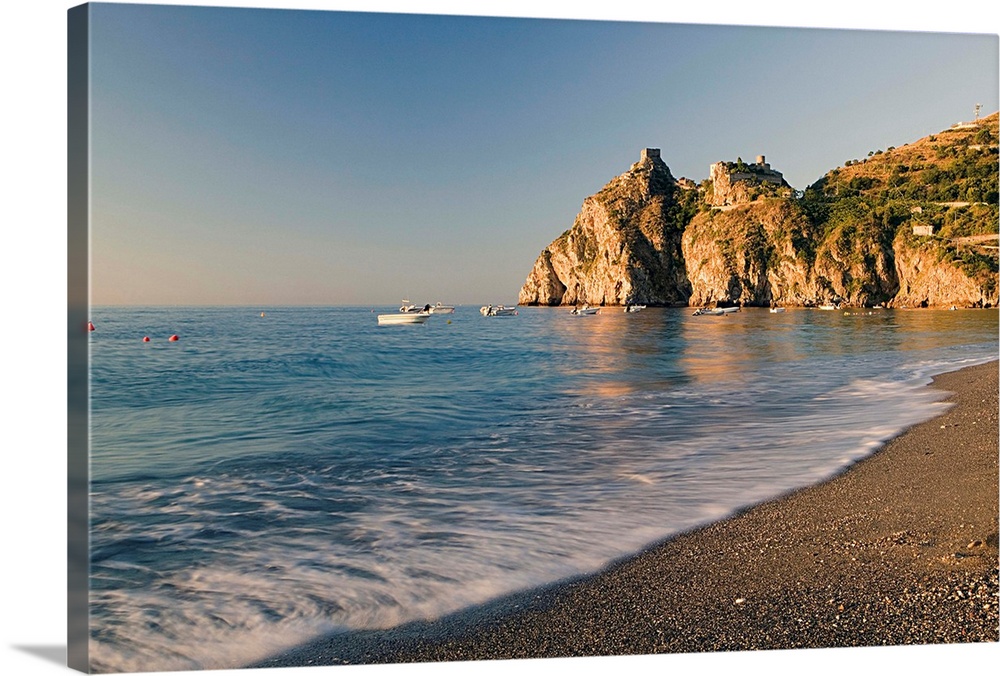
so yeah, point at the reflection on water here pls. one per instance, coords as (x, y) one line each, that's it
(719, 348)
(614, 354)
(615, 350)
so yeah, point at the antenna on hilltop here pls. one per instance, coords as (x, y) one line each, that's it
(978, 108)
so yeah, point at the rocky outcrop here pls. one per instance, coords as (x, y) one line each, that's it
(624, 246)
(855, 265)
(746, 238)
(750, 255)
(926, 280)
(768, 253)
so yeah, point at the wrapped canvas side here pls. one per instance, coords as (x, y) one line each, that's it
(78, 279)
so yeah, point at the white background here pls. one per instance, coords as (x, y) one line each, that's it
(33, 328)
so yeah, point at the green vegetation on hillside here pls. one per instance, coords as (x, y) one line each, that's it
(947, 181)
(919, 182)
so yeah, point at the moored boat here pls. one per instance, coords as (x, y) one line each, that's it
(584, 310)
(403, 318)
(407, 307)
(715, 311)
(440, 309)
(634, 308)
(498, 311)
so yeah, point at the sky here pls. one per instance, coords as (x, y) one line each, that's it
(273, 156)
(33, 70)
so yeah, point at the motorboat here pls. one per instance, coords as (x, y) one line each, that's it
(408, 307)
(634, 308)
(830, 306)
(777, 309)
(403, 318)
(498, 311)
(715, 311)
(585, 310)
(439, 309)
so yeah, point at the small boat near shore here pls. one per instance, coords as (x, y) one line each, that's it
(585, 310)
(498, 311)
(403, 318)
(436, 309)
(717, 311)
(634, 308)
(777, 309)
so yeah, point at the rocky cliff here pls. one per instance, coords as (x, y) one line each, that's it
(908, 227)
(751, 255)
(624, 245)
(932, 274)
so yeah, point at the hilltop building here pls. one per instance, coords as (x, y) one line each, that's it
(731, 181)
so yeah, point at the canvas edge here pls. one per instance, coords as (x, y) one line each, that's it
(78, 362)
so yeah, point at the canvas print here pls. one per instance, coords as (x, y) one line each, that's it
(422, 338)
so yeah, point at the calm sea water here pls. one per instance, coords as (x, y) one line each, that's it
(265, 480)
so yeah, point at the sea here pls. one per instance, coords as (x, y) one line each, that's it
(282, 473)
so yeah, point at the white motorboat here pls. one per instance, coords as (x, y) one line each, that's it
(715, 311)
(498, 311)
(403, 318)
(585, 310)
(830, 306)
(777, 309)
(634, 308)
(436, 309)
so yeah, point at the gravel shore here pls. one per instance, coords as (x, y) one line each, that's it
(900, 549)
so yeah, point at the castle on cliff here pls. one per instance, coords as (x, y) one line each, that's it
(731, 180)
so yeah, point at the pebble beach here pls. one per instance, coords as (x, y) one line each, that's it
(899, 549)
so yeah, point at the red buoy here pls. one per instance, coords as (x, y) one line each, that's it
(173, 338)
(145, 339)
(90, 326)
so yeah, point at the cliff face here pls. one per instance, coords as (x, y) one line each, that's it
(855, 265)
(909, 227)
(928, 277)
(624, 246)
(769, 253)
(751, 255)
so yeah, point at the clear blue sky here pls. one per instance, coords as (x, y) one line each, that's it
(271, 156)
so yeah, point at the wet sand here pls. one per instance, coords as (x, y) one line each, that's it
(900, 549)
